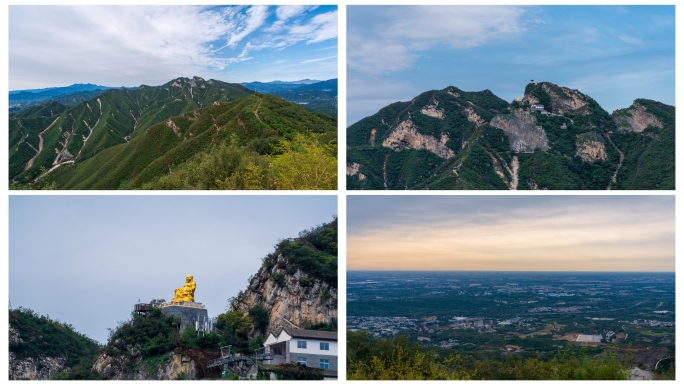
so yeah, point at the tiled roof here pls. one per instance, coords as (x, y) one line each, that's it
(303, 333)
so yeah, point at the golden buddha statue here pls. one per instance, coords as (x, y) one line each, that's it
(187, 293)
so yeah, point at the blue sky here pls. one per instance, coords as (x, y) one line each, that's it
(86, 260)
(133, 45)
(614, 54)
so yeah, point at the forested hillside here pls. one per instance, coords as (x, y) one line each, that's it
(554, 138)
(186, 134)
(400, 359)
(42, 348)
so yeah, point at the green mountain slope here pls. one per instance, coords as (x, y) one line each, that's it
(53, 348)
(554, 138)
(234, 145)
(114, 117)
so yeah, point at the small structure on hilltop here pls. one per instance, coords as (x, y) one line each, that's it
(182, 305)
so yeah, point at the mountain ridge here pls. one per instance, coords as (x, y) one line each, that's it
(451, 139)
(45, 139)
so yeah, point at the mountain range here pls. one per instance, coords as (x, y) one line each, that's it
(185, 134)
(554, 138)
(69, 95)
(320, 96)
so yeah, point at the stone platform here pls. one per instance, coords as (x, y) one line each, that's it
(187, 311)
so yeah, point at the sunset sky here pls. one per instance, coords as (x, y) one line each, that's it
(511, 233)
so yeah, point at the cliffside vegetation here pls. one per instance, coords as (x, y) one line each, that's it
(400, 359)
(573, 144)
(35, 336)
(314, 252)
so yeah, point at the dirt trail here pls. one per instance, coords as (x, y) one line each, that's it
(256, 111)
(515, 165)
(384, 170)
(622, 157)
(40, 145)
(85, 139)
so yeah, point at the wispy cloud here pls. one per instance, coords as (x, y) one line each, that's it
(248, 23)
(511, 233)
(130, 45)
(319, 59)
(398, 34)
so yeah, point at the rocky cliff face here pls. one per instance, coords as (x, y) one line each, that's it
(590, 147)
(405, 136)
(292, 299)
(562, 100)
(41, 368)
(172, 366)
(635, 118)
(523, 133)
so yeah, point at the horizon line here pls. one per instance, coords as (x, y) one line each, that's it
(175, 78)
(469, 270)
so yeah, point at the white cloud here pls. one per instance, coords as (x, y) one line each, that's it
(396, 35)
(113, 42)
(254, 18)
(287, 12)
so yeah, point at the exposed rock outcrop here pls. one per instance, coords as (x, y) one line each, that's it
(405, 135)
(474, 117)
(432, 110)
(565, 100)
(353, 169)
(119, 368)
(635, 118)
(523, 133)
(288, 300)
(562, 100)
(41, 368)
(590, 147)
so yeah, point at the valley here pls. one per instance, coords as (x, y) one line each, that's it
(500, 315)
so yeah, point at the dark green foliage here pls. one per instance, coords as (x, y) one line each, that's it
(278, 279)
(152, 335)
(223, 146)
(305, 282)
(649, 155)
(330, 327)
(314, 252)
(254, 136)
(478, 170)
(42, 336)
(400, 359)
(234, 327)
(483, 154)
(546, 170)
(325, 295)
(295, 371)
(259, 316)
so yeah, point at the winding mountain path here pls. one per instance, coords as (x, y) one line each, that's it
(622, 157)
(40, 145)
(85, 139)
(256, 111)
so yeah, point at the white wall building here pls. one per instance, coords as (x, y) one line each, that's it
(316, 349)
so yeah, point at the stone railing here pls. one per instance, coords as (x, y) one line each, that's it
(183, 304)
